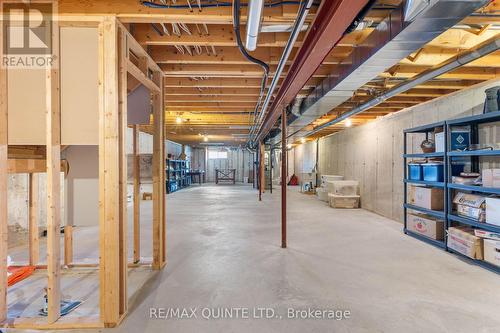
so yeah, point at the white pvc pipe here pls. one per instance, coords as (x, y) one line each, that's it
(255, 8)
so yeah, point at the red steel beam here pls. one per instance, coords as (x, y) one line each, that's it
(332, 20)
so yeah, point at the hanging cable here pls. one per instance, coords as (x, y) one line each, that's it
(185, 28)
(165, 30)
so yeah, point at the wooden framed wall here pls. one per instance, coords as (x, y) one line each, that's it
(117, 51)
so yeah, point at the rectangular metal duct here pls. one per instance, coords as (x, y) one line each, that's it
(392, 40)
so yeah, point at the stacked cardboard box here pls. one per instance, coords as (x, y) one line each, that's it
(343, 194)
(471, 206)
(426, 197)
(425, 225)
(491, 177)
(463, 240)
(491, 245)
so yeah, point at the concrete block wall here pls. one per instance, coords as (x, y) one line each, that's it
(372, 153)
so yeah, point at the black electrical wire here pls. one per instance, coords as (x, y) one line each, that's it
(155, 28)
(218, 4)
(265, 67)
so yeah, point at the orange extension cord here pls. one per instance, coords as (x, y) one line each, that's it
(19, 273)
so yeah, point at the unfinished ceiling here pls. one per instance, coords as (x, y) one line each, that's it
(480, 27)
(212, 89)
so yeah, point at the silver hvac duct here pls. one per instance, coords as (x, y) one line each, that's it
(481, 50)
(393, 39)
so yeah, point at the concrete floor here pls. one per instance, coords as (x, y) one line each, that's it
(223, 252)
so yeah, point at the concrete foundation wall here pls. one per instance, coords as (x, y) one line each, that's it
(372, 153)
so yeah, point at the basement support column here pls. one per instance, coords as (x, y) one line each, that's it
(53, 142)
(271, 169)
(284, 177)
(262, 176)
(3, 184)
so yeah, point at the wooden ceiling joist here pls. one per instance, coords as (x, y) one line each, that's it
(135, 12)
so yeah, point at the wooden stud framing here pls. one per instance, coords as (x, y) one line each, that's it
(3, 184)
(34, 233)
(122, 103)
(110, 215)
(53, 142)
(68, 245)
(137, 199)
(159, 247)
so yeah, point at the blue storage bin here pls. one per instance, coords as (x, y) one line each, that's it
(433, 172)
(415, 171)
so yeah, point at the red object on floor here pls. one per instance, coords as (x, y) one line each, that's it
(19, 273)
(293, 180)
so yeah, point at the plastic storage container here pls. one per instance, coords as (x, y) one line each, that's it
(433, 172)
(415, 171)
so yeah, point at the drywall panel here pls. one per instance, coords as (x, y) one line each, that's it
(82, 185)
(139, 106)
(79, 86)
(79, 94)
(26, 93)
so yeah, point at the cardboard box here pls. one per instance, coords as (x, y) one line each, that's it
(491, 177)
(426, 197)
(493, 211)
(487, 234)
(426, 226)
(343, 187)
(470, 205)
(463, 240)
(343, 201)
(492, 251)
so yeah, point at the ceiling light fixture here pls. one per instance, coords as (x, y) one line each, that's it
(348, 123)
(289, 146)
(302, 140)
(205, 138)
(178, 120)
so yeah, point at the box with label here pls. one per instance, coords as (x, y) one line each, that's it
(491, 177)
(493, 211)
(463, 240)
(470, 205)
(492, 251)
(459, 139)
(343, 187)
(487, 234)
(343, 201)
(426, 197)
(425, 225)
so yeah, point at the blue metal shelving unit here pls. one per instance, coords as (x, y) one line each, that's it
(406, 156)
(452, 218)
